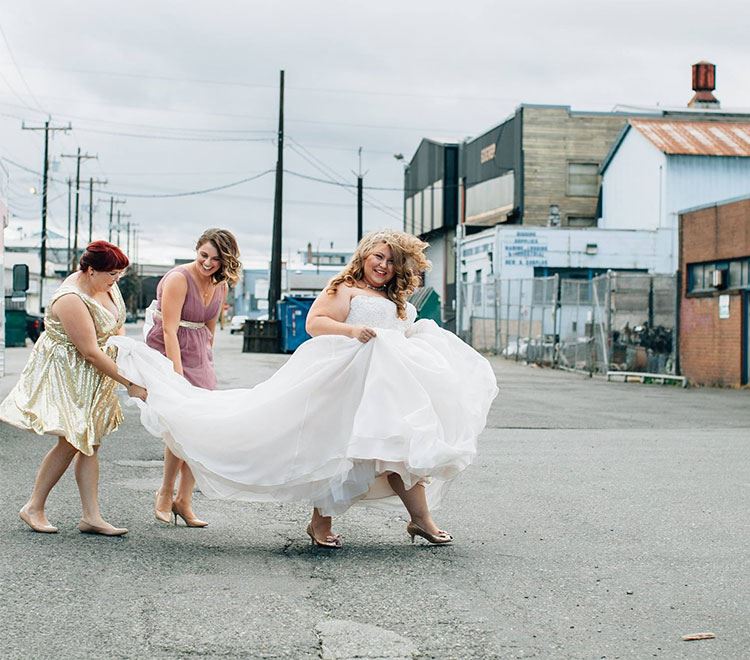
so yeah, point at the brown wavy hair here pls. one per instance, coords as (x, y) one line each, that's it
(229, 255)
(409, 263)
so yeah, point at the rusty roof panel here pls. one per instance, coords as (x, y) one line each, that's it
(696, 138)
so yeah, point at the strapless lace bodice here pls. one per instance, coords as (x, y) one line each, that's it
(379, 312)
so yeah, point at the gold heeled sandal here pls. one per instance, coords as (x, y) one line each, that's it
(161, 516)
(333, 541)
(441, 538)
(189, 520)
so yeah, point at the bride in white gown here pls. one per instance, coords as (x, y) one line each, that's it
(376, 408)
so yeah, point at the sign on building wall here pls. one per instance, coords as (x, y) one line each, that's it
(526, 248)
(724, 306)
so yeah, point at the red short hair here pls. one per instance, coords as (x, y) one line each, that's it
(103, 256)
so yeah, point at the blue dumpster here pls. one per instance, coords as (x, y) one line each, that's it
(292, 313)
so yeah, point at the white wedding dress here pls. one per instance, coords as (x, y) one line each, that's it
(333, 420)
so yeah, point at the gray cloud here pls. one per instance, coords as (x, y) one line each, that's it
(376, 75)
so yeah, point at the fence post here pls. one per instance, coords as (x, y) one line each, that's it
(677, 293)
(507, 320)
(531, 319)
(518, 320)
(555, 331)
(611, 284)
(497, 315)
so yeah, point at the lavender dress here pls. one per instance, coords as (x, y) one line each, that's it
(192, 334)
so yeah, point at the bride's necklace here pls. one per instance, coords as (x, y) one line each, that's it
(375, 288)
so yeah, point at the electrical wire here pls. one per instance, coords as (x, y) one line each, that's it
(173, 137)
(191, 192)
(18, 69)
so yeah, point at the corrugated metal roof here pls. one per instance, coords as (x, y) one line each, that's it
(696, 138)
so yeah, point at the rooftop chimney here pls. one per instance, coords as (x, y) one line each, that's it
(704, 82)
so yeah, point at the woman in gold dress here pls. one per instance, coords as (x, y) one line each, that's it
(67, 388)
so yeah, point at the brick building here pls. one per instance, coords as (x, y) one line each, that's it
(714, 333)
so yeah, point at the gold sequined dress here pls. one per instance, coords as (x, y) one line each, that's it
(59, 393)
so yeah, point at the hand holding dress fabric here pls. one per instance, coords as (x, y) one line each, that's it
(331, 423)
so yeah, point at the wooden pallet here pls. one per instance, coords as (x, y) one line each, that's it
(638, 377)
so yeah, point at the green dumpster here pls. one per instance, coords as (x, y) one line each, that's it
(427, 302)
(15, 327)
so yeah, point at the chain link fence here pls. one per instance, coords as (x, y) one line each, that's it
(616, 321)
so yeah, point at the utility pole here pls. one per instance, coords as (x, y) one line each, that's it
(359, 198)
(78, 156)
(98, 182)
(45, 172)
(131, 229)
(274, 286)
(70, 195)
(119, 226)
(112, 202)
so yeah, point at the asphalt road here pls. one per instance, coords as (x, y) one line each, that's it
(601, 520)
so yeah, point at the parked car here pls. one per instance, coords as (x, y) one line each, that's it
(34, 326)
(237, 323)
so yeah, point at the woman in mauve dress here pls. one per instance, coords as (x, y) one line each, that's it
(189, 300)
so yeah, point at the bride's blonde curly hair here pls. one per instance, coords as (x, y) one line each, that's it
(409, 263)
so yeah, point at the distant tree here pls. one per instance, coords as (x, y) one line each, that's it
(130, 287)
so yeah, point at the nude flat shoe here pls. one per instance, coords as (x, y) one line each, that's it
(41, 529)
(88, 528)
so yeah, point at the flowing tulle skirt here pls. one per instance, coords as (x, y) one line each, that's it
(331, 423)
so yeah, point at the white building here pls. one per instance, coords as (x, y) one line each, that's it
(523, 252)
(3, 224)
(659, 167)
(22, 246)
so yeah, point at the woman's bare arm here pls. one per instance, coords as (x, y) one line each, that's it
(173, 296)
(211, 324)
(328, 314)
(79, 326)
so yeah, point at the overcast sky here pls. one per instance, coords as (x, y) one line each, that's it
(178, 96)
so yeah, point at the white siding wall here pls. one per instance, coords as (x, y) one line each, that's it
(435, 276)
(632, 192)
(697, 180)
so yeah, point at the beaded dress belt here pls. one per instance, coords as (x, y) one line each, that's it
(183, 324)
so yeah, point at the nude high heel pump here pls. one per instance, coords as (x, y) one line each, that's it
(161, 516)
(189, 520)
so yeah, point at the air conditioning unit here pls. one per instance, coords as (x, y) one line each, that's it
(719, 279)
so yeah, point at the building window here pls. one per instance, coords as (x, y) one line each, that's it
(581, 221)
(418, 218)
(583, 179)
(735, 274)
(477, 288)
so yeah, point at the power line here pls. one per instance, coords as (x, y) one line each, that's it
(18, 69)
(194, 192)
(174, 137)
